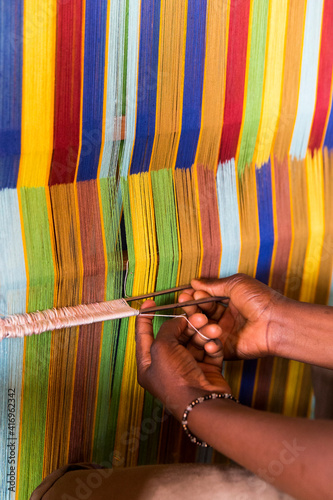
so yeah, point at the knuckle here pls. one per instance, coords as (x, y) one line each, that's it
(240, 278)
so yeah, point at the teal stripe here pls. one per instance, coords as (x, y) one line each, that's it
(131, 88)
(308, 85)
(12, 300)
(114, 85)
(229, 217)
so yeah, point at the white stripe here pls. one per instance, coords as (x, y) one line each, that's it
(308, 85)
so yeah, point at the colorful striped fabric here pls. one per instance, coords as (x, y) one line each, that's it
(185, 139)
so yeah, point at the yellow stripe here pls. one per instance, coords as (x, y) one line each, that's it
(293, 387)
(291, 73)
(145, 249)
(196, 188)
(292, 241)
(178, 231)
(249, 222)
(39, 35)
(315, 196)
(169, 96)
(300, 71)
(214, 84)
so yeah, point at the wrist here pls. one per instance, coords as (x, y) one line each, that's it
(280, 326)
(203, 399)
(303, 332)
(182, 396)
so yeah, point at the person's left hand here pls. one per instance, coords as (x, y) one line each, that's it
(179, 365)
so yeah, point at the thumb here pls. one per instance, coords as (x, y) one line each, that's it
(212, 286)
(144, 337)
(226, 286)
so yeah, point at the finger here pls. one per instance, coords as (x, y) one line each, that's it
(185, 297)
(214, 310)
(229, 287)
(144, 337)
(205, 334)
(195, 340)
(213, 353)
(212, 286)
(241, 289)
(201, 337)
(195, 322)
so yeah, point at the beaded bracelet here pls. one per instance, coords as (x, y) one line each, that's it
(197, 401)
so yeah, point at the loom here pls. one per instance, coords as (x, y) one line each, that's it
(185, 138)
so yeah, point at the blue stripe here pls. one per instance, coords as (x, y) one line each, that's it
(11, 61)
(193, 82)
(328, 142)
(266, 224)
(147, 86)
(247, 383)
(266, 228)
(93, 88)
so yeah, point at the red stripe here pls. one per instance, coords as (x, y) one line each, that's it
(210, 223)
(235, 82)
(324, 78)
(90, 336)
(67, 92)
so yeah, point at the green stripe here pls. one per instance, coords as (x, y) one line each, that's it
(37, 351)
(254, 84)
(167, 237)
(105, 424)
(115, 334)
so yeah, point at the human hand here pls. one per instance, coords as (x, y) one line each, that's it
(179, 365)
(247, 322)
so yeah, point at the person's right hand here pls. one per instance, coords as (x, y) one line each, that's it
(248, 321)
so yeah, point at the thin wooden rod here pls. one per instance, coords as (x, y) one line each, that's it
(205, 300)
(161, 292)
